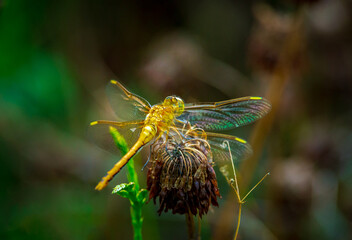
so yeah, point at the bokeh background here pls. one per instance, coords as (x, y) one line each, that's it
(56, 58)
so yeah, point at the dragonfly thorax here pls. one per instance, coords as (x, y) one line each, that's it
(161, 116)
(177, 104)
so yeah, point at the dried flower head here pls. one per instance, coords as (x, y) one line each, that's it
(181, 174)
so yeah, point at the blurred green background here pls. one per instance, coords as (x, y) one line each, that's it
(56, 58)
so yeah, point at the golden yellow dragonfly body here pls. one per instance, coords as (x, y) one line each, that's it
(140, 123)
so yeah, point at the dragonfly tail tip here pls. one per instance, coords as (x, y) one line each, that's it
(94, 123)
(100, 186)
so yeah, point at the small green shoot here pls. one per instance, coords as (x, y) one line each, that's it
(131, 190)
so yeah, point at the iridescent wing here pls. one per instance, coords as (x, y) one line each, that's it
(126, 105)
(239, 148)
(100, 133)
(226, 114)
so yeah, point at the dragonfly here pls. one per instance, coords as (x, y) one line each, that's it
(140, 124)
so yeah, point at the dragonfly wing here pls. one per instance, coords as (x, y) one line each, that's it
(100, 133)
(221, 144)
(127, 106)
(226, 114)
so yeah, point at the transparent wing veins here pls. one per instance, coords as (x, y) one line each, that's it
(226, 114)
(127, 106)
(99, 132)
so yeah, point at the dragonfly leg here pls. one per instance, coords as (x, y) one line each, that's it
(146, 162)
(166, 138)
(178, 132)
(180, 121)
(149, 156)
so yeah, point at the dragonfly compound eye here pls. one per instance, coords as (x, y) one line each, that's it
(180, 105)
(176, 102)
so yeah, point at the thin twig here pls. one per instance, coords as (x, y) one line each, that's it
(237, 191)
(255, 186)
(239, 220)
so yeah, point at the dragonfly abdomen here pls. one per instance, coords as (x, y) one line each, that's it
(158, 121)
(147, 134)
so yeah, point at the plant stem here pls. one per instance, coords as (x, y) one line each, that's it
(199, 228)
(132, 175)
(137, 220)
(238, 220)
(190, 225)
(136, 208)
(136, 205)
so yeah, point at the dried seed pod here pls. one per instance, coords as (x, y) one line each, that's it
(181, 174)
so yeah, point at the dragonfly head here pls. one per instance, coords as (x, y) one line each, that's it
(176, 102)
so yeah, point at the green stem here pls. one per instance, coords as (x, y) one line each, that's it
(136, 208)
(132, 175)
(136, 205)
(137, 220)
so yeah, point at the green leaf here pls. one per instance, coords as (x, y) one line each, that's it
(142, 196)
(125, 190)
